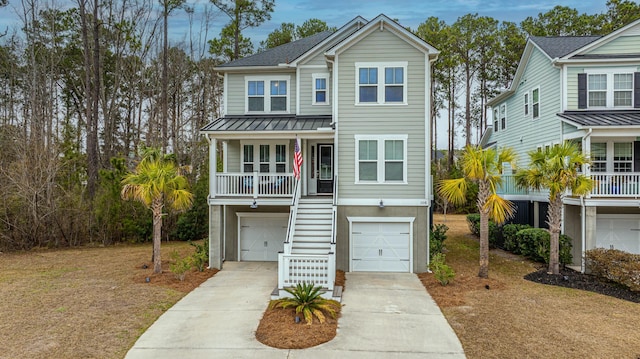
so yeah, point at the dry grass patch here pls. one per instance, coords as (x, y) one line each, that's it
(84, 302)
(518, 318)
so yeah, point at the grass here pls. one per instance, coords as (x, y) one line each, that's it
(518, 318)
(84, 302)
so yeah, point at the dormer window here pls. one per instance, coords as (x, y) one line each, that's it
(267, 94)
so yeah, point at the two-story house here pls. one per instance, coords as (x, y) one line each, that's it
(354, 106)
(586, 90)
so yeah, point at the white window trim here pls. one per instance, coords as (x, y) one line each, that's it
(380, 160)
(314, 77)
(267, 92)
(272, 155)
(503, 115)
(381, 85)
(496, 119)
(610, 72)
(533, 116)
(526, 108)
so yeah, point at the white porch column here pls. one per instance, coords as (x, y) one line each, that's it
(213, 165)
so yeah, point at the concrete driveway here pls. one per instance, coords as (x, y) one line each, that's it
(385, 315)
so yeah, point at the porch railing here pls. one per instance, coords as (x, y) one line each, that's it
(293, 212)
(618, 185)
(254, 184)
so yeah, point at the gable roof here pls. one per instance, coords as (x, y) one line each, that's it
(282, 54)
(559, 46)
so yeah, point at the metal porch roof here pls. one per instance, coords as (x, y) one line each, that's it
(259, 123)
(602, 118)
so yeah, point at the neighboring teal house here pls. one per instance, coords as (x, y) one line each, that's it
(586, 90)
(357, 102)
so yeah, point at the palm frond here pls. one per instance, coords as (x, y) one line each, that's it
(453, 190)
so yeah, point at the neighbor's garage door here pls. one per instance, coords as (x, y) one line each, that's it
(620, 231)
(262, 237)
(380, 246)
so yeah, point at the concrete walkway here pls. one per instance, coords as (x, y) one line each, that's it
(385, 315)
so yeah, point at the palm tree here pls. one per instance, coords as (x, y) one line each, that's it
(156, 180)
(483, 167)
(557, 169)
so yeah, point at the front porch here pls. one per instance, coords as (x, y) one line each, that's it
(614, 185)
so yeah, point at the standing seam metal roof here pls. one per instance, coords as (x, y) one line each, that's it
(603, 118)
(268, 123)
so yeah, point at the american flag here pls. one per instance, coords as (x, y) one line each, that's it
(297, 159)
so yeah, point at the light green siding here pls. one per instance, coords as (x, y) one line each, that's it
(620, 45)
(236, 95)
(306, 92)
(523, 133)
(381, 46)
(233, 156)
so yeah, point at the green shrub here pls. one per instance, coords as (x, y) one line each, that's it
(180, 266)
(307, 300)
(509, 232)
(473, 220)
(534, 243)
(200, 257)
(443, 273)
(436, 239)
(615, 265)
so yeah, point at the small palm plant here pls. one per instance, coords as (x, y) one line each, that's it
(307, 300)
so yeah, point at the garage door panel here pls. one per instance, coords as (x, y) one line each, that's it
(261, 238)
(380, 246)
(618, 233)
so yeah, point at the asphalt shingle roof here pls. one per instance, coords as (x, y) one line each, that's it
(281, 54)
(559, 46)
(268, 123)
(603, 118)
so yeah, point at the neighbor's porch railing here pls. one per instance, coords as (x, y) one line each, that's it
(254, 184)
(619, 185)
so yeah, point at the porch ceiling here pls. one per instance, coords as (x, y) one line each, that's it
(269, 124)
(583, 119)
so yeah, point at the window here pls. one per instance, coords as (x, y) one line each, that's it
(381, 159)
(496, 115)
(274, 99)
(393, 84)
(622, 157)
(597, 85)
(320, 89)
(256, 95)
(247, 158)
(281, 158)
(535, 99)
(526, 104)
(381, 83)
(622, 90)
(503, 117)
(598, 157)
(606, 88)
(368, 84)
(264, 158)
(270, 157)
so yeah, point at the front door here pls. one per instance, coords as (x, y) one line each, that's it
(325, 168)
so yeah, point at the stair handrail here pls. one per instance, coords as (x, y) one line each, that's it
(334, 209)
(293, 211)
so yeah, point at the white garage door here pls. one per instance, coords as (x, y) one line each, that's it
(618, 231)
(380, 246)
(262, 236)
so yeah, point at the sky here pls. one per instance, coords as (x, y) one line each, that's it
(336, 13)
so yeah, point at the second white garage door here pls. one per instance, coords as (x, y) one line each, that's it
(618, 231)
(380, 246)
(262, 236)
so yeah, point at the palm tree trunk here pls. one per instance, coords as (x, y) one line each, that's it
(554, 218)
(483, 194)
(157, 234)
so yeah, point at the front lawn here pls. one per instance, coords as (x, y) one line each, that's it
(507, 316)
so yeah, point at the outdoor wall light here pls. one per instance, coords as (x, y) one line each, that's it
(254, 205)
(381, 204)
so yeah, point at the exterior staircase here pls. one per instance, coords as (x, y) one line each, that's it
(313, 228)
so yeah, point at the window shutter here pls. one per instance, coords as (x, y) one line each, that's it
(636, 91)
(582, 90)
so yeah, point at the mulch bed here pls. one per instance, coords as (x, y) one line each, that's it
(571, 279)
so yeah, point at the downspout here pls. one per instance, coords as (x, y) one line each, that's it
(428, 176)
(583, 220)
